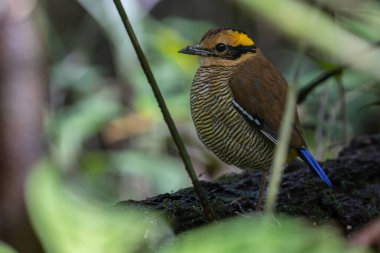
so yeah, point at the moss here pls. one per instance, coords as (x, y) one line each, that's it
(353, 200)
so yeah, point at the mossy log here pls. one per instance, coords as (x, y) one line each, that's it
(353, 200)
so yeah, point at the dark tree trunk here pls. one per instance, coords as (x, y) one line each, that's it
(21, 98)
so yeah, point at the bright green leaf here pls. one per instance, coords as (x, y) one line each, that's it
(260, 234)
(67, 223)
(4, 248)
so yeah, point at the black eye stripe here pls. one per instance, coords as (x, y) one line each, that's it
(235, 52)
(220, 47)
(243, 49)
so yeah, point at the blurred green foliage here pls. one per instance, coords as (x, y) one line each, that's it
(161, 40)
(85, 168)
(260, 234)
(66, 222)
(5, 248)
(69, 127)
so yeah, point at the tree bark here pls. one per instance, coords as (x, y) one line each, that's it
(21, 98)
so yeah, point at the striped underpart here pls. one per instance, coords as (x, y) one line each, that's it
(220, 126)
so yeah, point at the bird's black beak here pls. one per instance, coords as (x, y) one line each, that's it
(195, 50)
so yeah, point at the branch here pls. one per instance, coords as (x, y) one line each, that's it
(165, 112)
(305, 91)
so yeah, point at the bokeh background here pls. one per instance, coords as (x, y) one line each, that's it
(75, 100)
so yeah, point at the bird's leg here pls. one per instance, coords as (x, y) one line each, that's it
(262, 190)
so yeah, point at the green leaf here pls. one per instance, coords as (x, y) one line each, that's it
(71, 126)
(66, 222)
(4, 248)
(260, 234)
(82, 78)
(161, 172)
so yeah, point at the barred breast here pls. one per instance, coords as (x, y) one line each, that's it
(220, 126)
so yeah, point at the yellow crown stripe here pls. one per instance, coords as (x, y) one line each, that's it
(241, 39)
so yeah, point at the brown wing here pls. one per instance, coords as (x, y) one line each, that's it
(260, 90)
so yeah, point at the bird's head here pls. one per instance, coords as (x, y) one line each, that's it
(222, 46)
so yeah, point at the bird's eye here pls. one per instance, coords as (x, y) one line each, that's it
(220, 47)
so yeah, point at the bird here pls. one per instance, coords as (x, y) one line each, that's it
(237, 100)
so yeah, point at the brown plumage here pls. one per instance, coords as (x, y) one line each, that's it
(237, 101)
(261, 90)
(221, 127)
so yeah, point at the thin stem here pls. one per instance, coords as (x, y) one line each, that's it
(281, 150)
(342, 99)
(321, 128)
(165, 112)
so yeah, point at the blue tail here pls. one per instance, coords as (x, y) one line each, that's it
(309, 159)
